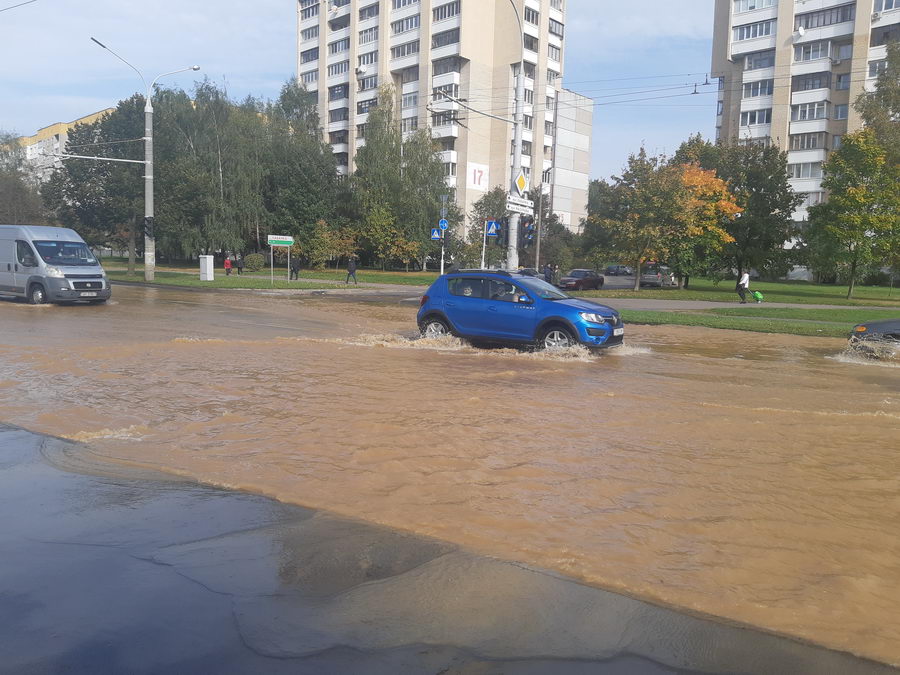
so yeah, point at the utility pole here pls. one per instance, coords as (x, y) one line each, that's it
(512, 250)
(539, 221)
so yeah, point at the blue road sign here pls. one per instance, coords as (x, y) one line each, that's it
(443, 224)
(493, 228)
(435, 234)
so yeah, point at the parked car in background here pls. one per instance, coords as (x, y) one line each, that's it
(530, 272)
(877, 339)
(657, 275)
(619, 270)
(581, 280)
(507, 307)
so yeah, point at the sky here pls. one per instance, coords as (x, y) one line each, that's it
(615, 51)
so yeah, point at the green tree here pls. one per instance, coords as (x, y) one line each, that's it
(20, 200)
(491, 206)
(880, 109)
(860, 218)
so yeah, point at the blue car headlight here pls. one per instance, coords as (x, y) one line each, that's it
(592, 318)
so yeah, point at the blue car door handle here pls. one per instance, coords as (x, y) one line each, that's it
(450, 304)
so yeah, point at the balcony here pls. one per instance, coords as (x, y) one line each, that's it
(759, 44)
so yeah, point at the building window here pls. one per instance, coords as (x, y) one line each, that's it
(309, 76)
(884, 35)
(405, 25)
(882, 5)
(720, 108)
(410, 74)
(876, 68)
(442, 119)
(842, 51)
(309, 33)
(811, 51)
(552, 76)
(805, 170)
(368, 35)
(842, 82)
(556, 4)
(361, 130)
(809, 111)
(338, 68)
(836, 141)
(550, 103)
(448, 144)
(449, 169)
(760, 88)
(445, 11)
(368, 12)
(748, 5)
(813, 198)
(448, 37)
(532, 16)
(408, 124)
(397, 4)
(751, 117)
(754, 30)
(825, 17)
(554, 52)
(339, 114)
(368, 83)
(309, 55)
(362, 107)
(759, 60)
(548, 128)
(308, 9)
(409, 100)
(338, 92)
(529, 122)
(813, 141)
(841, 111)
(449, 65)
(437, 94)
(339, 46)
(342, 158)
(368, 58)
(556, 28)
(406, 49)
(338, 137)
(811, 81)
(529, 96)
(532, 43)
(339, 24)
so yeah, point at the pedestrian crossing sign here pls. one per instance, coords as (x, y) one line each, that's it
(493, 229)
(436, 234)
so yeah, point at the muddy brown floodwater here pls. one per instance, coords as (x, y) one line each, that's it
(746, 476)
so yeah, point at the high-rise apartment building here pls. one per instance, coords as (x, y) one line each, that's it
(42, 148)
(468, 49)
(790, 71)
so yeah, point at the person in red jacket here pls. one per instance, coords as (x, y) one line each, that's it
(227, 267)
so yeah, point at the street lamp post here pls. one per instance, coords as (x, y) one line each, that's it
(149, 234)
(512, 251)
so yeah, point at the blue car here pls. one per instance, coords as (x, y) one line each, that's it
(512, 308)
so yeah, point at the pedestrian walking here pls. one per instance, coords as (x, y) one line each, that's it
(548, 273)
(351, 271)
(227, 267)
(295, 269)
(555, 275)
(239, 263)
(743, 287)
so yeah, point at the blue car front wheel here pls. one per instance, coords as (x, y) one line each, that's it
(556, 337)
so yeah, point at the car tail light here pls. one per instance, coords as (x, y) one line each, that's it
(424, 300)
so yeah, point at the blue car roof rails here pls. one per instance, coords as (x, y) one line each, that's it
(502, 273)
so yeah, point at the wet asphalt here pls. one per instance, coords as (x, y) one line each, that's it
(107, 569)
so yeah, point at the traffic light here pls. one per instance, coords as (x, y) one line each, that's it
(527, 231)
(502, 238)
(148, 227)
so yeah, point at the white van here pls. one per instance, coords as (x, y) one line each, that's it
(49, 264)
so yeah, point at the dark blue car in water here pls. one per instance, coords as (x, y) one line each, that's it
(512, 308)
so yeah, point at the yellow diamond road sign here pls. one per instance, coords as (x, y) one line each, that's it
(521, 183)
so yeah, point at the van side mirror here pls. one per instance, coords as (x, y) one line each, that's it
(29, 261)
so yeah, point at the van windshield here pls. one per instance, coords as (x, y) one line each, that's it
(72, 253)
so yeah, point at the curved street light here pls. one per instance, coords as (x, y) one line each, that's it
(149, 235)
(512, 249)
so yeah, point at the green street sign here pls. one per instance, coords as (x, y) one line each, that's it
(280, 240)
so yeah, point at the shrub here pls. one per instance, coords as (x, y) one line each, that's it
(254, 262)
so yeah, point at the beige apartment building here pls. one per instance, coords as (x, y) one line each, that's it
(790, 70)
(469, 50)
(41, 148)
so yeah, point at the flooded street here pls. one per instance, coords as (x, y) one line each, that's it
(746, 476)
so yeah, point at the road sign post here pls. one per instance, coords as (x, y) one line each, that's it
(279, 240)
(491, 229)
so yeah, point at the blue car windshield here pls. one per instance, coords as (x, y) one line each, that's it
(75, 253)
(542, 289)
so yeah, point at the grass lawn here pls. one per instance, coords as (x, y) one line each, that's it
(758, 325)
(798, 292)
(234, 281)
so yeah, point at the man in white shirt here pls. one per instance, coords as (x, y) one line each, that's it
(743, 287)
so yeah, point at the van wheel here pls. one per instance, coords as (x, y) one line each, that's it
(556, 337)
(37, 295)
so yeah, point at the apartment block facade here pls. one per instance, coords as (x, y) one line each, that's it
(790, 70)
(467, 49)
(49, 141)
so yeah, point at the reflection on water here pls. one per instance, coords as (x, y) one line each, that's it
(746, 476)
